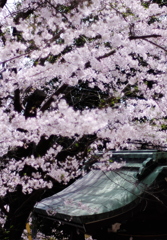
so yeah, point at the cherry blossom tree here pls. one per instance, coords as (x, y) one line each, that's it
(77, 76)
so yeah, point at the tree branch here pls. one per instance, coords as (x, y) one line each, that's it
(155, 44)
(106, 55)
(145, 38)
(21, 55)
(51, 98)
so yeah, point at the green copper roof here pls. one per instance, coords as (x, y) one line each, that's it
(100, 195)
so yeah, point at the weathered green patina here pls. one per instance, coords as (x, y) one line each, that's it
(102, 195)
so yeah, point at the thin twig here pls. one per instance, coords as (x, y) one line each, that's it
(120, 13)
(15, 57)
(155, 44)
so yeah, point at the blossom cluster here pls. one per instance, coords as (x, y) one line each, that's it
(117, 47)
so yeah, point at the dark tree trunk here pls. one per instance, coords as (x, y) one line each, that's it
(2, 3)
(20, 208)
(75, 235)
